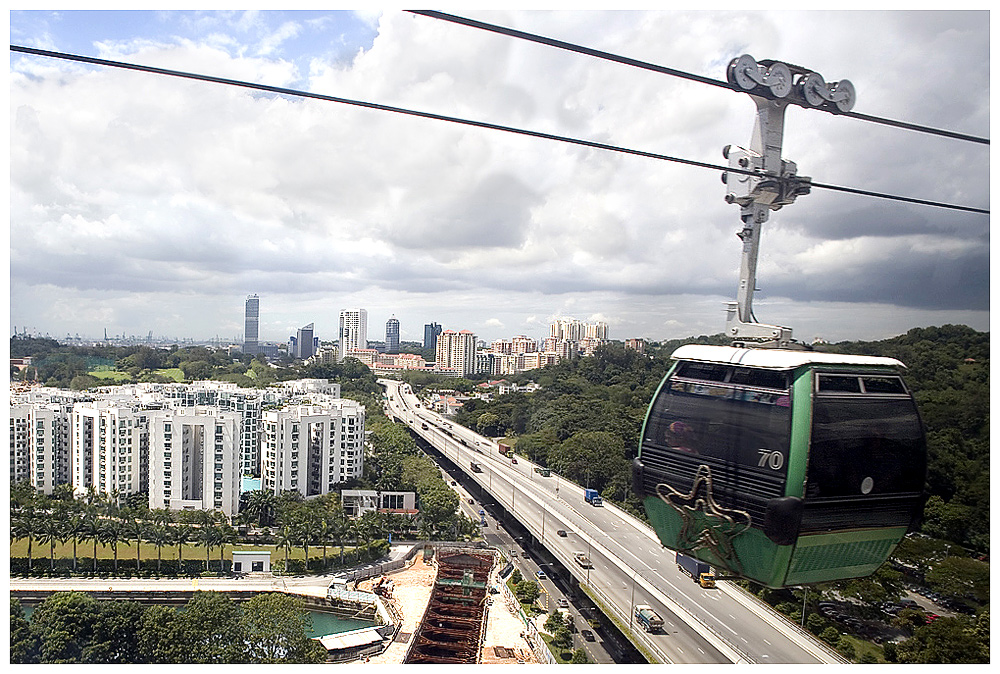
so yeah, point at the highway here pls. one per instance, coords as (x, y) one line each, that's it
(629, 566)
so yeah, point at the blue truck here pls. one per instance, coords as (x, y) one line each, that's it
(648, 618)
(592, 497)
(697, 569)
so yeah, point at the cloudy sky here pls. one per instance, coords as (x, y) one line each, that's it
(141, 202)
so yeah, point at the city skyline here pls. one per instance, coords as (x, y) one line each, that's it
(142, 203)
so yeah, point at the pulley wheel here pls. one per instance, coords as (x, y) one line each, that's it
(739, 71)
(813, 88)
(779, 79)
(843, 95)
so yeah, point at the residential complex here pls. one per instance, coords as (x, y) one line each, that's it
(187, 445)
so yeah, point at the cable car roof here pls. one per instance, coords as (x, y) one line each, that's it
(778, 359)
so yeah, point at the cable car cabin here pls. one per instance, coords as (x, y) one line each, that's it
(783, 467)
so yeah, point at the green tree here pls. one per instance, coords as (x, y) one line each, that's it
(111, 533)
(116, 629)
(562, 637)
(579, 657)
(554, 622)
(163, 638)
(945, 641)
(65, 624)
(274, 628)
(214, 621)
(23, 643)
(526, 591)
(961, 577)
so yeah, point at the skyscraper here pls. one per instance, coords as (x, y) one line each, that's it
(251, 326)
(303, 345)
(431, 332)
(392, 335)
(353, 331)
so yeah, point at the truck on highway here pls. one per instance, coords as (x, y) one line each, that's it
(648, 618)
(592, 497)
(583, 560)
(504, 449)
(475, 467)
(544, 472)
(698, 570)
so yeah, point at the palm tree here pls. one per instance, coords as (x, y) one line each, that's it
(74, 527)
(92, 528)
(52, 531)
(112, 533)
(134, 529)
(207, 534)
(286, 538)
(260, 508)
(25, 525)
(182, 533)
(226, 536)
(306, 530)
(159, 535)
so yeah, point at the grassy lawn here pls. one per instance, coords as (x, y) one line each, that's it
(105, 372)
(126, 551)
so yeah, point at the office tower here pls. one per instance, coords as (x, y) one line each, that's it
(251, 326)
(353, 331)
(431, 333)
(456, 351)
(304, 344)
(194, 460)
(392, 335)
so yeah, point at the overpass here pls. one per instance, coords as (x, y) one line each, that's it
(628, 564)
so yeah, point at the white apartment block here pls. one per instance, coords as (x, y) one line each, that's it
(20, 448)
(456, 352)
(50, 446)
(353, 331)
(194, 464)
(312, 448)
(110, 448)
(59, 436)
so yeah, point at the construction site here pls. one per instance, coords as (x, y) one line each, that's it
(452, 608)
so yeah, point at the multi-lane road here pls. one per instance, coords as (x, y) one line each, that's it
(629, 566)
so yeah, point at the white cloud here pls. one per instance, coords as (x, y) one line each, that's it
(125, 183)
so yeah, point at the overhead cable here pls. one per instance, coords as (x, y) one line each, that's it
(446, 118)
(559, 44)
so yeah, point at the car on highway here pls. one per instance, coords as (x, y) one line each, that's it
(561, 533)
(541, 575)
(587, 635)
(563, 603)
(513, 460)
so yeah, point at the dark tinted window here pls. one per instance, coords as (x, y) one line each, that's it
(883, 385)
(703, 371)
(732, 423)
(839, 383)
(865, 445)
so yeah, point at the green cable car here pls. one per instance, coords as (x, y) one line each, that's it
(780, 466)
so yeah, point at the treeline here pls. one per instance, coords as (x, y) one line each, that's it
(67, 366)
(73, 627)
(586, 419)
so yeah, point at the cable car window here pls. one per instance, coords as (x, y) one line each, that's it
(703, 371)
(865, 446)
(761, 378)
(732, 423)
(883, 385)
(838, 383)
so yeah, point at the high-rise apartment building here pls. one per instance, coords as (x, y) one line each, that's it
(110, 447)
(312, 448)
(392, 335)
(431, 333)
(251, 328)
(353, 331)
(456, 351)
(194, 462)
